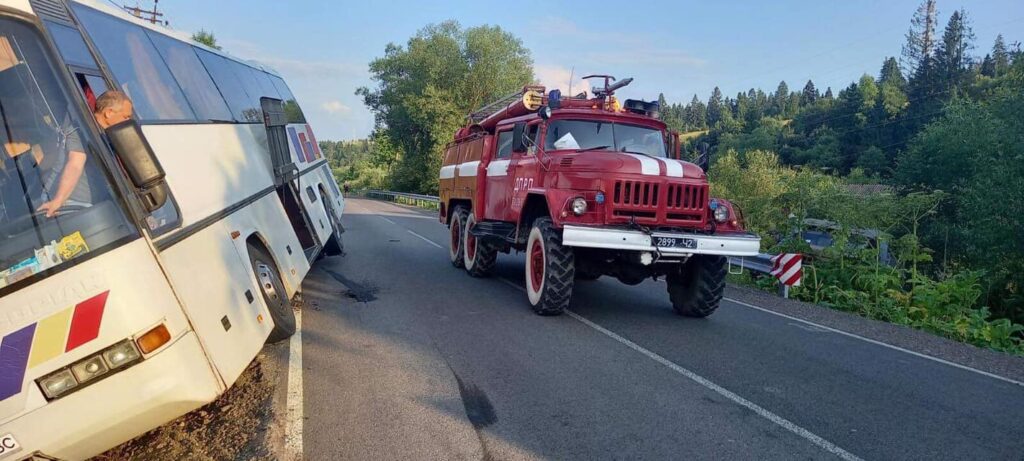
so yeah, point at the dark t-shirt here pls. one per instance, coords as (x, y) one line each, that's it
(56, 151)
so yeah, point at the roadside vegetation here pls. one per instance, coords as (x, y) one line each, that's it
(929, 153)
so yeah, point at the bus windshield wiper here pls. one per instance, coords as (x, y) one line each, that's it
(592, 148)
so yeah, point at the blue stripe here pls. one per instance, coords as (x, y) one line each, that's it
(14, 351)
(296, 144)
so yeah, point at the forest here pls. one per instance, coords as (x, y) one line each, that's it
(928, 152)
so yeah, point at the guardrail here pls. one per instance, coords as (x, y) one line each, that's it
(762, 263)
(425, 201)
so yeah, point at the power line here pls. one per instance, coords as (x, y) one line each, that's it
(153, 16)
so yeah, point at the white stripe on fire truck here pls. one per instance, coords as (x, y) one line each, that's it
(648, 165)
(468, 168)
(673, 167)
(498, 168)
(448, 172)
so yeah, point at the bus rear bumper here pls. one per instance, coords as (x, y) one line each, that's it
(165, 386)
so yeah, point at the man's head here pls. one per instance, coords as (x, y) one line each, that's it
(112, 107)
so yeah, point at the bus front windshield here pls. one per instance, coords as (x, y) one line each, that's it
(586, 135)
(56, 205)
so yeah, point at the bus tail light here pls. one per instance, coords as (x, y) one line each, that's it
(153, 339)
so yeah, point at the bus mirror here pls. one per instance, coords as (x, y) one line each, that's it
(518, 143)
(139, 162)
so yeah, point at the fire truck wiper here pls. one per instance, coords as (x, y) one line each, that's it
(592, 148)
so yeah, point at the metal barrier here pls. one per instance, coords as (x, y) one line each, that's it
(423, 201)
(762, 263)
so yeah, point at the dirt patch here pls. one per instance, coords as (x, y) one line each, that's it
(238, 425)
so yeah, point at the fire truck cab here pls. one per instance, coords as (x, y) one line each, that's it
(586, 187)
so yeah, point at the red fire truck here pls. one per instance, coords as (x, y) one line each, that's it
(586, 187)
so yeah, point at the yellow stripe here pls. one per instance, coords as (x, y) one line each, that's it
(51, 336)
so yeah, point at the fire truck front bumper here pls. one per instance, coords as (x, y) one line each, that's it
(665, 243)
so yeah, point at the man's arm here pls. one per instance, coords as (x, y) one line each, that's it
(68, 180)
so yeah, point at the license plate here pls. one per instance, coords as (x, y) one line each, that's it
(8, 446)
(675, 242)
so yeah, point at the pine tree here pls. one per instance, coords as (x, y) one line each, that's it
(988, 66)
(828, 94)
(696, 115)
(715, 107)
(953, 59)
(809, 95)
(1000, 57)
(890, 73)
(920, 45)
(780, 99)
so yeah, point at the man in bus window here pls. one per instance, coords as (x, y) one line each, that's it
(112, 108)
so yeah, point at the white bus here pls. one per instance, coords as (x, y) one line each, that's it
(191, 226)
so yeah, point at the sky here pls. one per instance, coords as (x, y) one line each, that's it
(679, 48)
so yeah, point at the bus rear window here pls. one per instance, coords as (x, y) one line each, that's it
(56, 205)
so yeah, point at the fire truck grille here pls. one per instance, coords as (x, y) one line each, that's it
(678, 204)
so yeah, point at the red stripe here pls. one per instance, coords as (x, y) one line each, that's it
(85, 322)
(312, 139)
(795, 278)
(789, 265)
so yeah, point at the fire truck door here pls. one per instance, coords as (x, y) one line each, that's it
(525, 172)
(500, 176)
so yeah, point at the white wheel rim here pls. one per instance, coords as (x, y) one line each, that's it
(465, 243)
(535, 239)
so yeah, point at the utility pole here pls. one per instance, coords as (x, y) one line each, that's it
(153, 16)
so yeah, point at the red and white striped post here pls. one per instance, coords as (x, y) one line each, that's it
(788, 268)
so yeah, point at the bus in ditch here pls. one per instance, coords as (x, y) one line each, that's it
(160, 204)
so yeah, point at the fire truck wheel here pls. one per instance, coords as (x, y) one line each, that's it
(550, 269)
(456, 228)
(480, 256)
(697, 287)
(274, 294)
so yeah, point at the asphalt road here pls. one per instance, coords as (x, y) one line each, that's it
(406, 357)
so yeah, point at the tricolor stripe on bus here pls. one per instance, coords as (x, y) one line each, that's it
(42, 341)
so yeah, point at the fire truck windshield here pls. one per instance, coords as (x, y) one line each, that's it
(584, 135)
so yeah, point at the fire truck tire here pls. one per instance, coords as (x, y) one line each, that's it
(455, 241)
(550, 269)
(480, 256)
(697, 288)
(274, 294)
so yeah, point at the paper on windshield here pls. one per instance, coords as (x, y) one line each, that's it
(567, 142)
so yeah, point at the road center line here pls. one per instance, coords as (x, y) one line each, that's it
(425, 239)
(778, 420)
(388, 220)
(293, 422)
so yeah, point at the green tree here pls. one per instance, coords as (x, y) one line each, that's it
(206, 38)
(1000, 57)
(696, 115)
(780, 100)
(921, 37)
(716, 107)
(809, 95)
(425, 89)
(953, 57)
(890, 74)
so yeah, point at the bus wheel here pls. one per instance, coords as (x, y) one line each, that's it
(274, 294)
(455, 243)
(334, 245)
(550, 269)
(480, 256)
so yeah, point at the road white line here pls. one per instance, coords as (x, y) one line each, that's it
(778, 420)
(880, 343)
(293, 422)
(388, 220)
(425, 239)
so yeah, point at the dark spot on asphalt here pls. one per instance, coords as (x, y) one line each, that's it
(356, 291)
(478, 407)
(394, 240)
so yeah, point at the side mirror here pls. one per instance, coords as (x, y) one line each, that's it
(704, 160)
(518, 137)
(139, 162)
(676, 146)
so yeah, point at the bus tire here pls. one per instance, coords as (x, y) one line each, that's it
(456, 227)
(697, 288)
(334, 245)
(480, 256)
(274, 294)
(550, 269)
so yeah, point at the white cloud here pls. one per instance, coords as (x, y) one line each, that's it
(335, 107)
(556, 76)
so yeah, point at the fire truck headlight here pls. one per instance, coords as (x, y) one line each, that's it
(58, 383)
(721, 213)
(579, 206)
